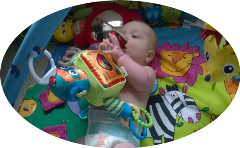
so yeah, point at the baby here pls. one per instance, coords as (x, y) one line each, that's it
(105, 129)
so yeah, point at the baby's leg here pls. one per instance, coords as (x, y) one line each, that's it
(125, 144)
(80, 140)
(120, 144)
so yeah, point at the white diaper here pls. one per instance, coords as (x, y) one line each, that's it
(104, 128)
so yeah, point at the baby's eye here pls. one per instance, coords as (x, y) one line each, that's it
(134, 36)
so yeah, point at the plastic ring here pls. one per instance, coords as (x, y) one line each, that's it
(134, 131)
(146, 125)
(52, 72)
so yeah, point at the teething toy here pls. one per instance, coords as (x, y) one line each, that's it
(135, 133)
(135, 117)
(140, 122)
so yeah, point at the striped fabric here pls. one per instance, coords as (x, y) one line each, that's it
(74, 58)
(113, 105)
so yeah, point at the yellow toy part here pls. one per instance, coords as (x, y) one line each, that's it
(209, 27)
(52, 98)
(27, 107)
(64, 32)
(221, 63)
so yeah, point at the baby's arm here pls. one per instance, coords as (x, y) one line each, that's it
(142, 78)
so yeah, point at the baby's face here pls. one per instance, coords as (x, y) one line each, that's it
(138, 40)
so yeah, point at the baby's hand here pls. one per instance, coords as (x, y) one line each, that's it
(116, 50)
(102, 46)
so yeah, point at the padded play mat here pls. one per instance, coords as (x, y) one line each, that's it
(182, 75)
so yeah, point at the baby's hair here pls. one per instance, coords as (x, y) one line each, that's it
(137, 20)
(141, 21)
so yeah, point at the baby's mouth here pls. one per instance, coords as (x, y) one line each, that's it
(124, 49)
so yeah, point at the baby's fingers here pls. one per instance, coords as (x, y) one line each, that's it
(110, 45)
(102, 46)
(108, 52)
(113, 39)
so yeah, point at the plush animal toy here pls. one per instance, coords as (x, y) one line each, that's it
(68, 30)
(222, 62)
(103, 75)
(94, 76)
(106, 81)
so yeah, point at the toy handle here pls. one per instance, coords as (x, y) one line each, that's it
(121, 38)
(134, 132)
(52, 72)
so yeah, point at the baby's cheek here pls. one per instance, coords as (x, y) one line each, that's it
(138, 58)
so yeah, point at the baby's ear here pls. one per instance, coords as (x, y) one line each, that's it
(150, 56)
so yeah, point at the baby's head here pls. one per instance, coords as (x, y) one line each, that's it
(141, 42)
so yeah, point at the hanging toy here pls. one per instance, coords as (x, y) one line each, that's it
(94, 76)
(121, 39)
(221, 60)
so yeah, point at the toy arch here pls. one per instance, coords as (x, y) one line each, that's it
(86, 37)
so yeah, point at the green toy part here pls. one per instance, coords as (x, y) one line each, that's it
(82, 94)
(106, 80)
(170, 14)
(123, 3)
(146, 4)
(146, 125)
(82, 14)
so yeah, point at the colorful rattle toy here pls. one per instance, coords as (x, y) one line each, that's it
(94, 76)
